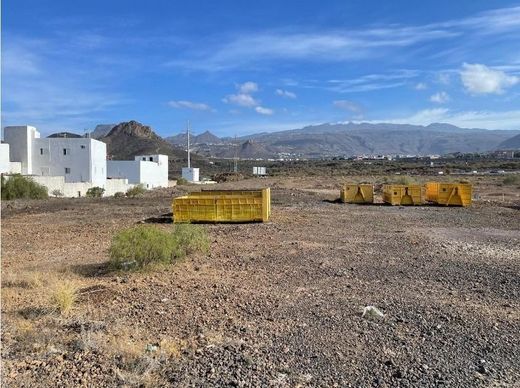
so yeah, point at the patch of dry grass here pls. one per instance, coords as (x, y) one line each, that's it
(28, 280)
(63, 296)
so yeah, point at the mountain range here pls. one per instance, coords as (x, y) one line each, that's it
(127, 139)
(347, 139)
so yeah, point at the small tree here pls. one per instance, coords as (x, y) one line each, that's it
(95, 192)
(119, 194)
(57, 193)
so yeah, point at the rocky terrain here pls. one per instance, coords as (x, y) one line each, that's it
(277, 304)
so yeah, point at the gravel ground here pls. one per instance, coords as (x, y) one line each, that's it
(275, 304)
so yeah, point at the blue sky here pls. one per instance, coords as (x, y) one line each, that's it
(237, 67)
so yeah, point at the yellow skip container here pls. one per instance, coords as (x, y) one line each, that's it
(449, 194)
(353, 193)
(403, 194)
(223, 206)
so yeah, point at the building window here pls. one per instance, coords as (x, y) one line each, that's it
(65, 151)
(82, 147)
(67, 170)
(41, 151)
(144, 158)
(151, 159)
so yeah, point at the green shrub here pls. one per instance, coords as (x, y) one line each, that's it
(189, 238)
(18, 186)
(95, 192)
(145, 245)
(119, 194)
(511, 180)
(182, 181)
(135, 191)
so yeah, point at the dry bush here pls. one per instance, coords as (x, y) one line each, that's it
(63, 296)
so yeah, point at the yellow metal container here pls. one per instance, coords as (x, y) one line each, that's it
(352, 193)
(449, 194)
(403, 194)
(223, 206)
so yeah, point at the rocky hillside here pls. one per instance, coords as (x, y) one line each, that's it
(132, 138)
(101, 130)
(510, 144)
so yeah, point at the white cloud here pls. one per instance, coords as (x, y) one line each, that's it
(480, 79)
(241, 100)
(340, 45)
(440, 98)
(248, 87)
(243, 97)
(348, 105)
(464, 119)
(285, 93)
(421, 86)
(179, 104)
(264, 111)
(372, 82)
(59, 96)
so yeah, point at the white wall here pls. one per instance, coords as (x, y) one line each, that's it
(16, 168)
(79, 189)
(77, 159)
(129, 169)
(190, 174)
(150, 173)
(154, 170)
(5, 164)
(116, 186)
(20, 139)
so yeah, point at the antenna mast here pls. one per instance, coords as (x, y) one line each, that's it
(235, 158)
(188, 136)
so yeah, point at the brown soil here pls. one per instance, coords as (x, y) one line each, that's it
(274, 304)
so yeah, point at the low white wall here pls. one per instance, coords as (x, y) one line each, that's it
(79, 189)
(68, 189)
(5, 164)
(116, 186)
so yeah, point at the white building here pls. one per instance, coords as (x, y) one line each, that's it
(77, 159)
(149, 170)
(73, 165)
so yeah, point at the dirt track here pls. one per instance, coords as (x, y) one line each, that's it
(273, 304)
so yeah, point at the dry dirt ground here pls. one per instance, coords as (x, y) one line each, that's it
(275, 304)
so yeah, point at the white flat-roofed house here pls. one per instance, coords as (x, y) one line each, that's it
(77, 159)
(149, 170)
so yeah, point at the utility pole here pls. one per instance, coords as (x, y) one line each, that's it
(235, 158)
(188, 136)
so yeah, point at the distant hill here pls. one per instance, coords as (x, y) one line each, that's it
(127, 139)
(204, 138)
(510, 144)
(65, 135)
(101, 130)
